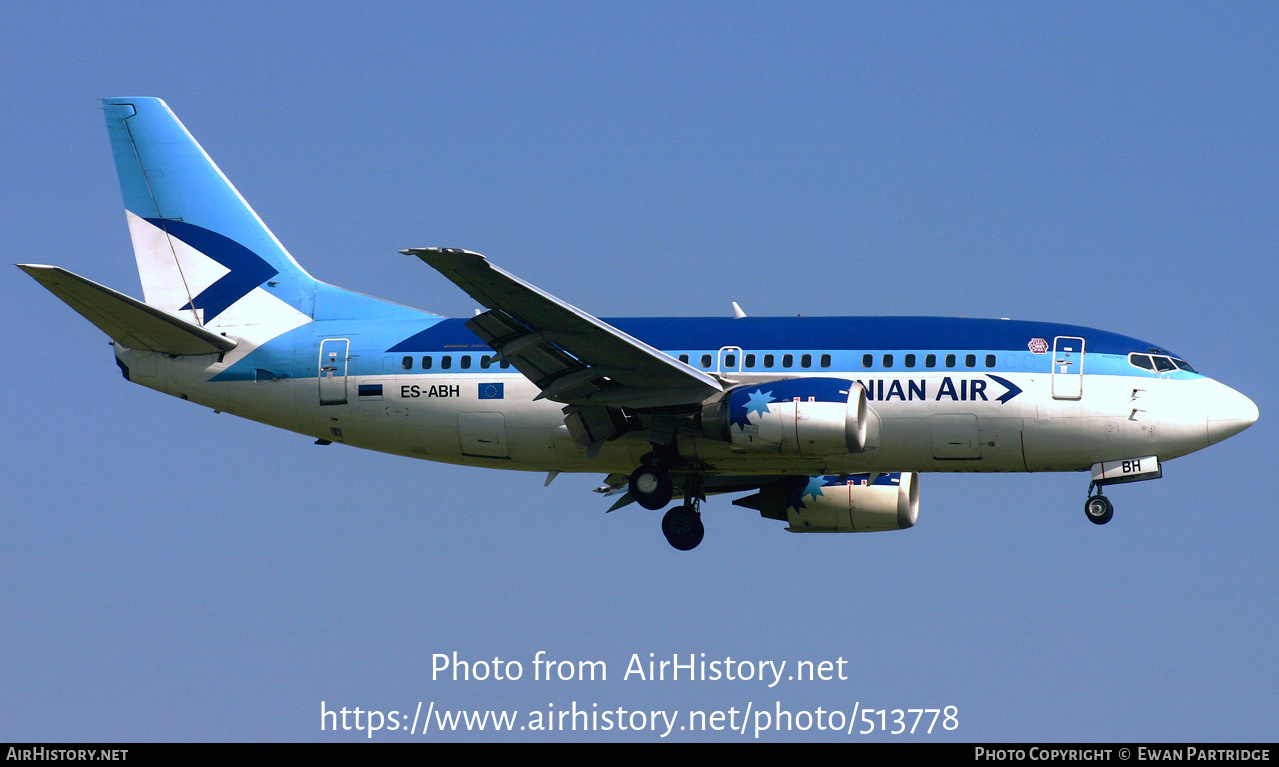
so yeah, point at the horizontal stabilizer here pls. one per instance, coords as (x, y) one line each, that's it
(129, 322)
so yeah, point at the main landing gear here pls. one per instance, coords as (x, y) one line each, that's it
(682, 526)
(651, 487)
(1098, 508)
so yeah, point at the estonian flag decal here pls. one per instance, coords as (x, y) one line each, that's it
(370, 391)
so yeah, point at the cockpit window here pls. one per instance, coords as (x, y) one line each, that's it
(1142, 361)
(1159, 363)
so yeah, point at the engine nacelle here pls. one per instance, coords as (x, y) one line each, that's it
(858, 504)
(890, 502)
(807, 417)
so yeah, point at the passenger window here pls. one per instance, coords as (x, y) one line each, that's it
(868, 360)
(706, 361)
(788, 360)
(970, 360)
(426, 363)
(950, 360)
(825, 360)
(930, 360)
(806, 361)
(504, 364)
(990, 360)
(485, 361)
(768, 360)
(446, 362)
(910, 360)
(888, 360)
(750, 360)
(683, 358)
(730, 360)
(1141, 361)
(407, 363)
(466, 362)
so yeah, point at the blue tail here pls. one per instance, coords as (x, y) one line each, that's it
(202, 253)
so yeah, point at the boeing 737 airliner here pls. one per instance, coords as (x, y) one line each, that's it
(825, 421)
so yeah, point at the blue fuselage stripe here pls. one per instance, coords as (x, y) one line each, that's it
(1016, 346)
(813, 335)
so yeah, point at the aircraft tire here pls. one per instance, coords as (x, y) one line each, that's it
(683, 528)
(1099, 509)
(651, 487)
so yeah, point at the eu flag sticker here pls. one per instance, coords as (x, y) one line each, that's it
(370, 391)
(492, 391)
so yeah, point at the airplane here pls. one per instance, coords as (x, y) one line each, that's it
(826, 422)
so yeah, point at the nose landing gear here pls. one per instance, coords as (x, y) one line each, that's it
(1099, 509)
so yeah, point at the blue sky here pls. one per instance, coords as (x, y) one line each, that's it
(171, 574)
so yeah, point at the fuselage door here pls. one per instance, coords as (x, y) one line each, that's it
(483, 434)
(334, 354)
(955, 436)
(1068, 367)
(729, 360)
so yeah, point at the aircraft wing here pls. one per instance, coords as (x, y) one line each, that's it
(572, 357)
(128, 321)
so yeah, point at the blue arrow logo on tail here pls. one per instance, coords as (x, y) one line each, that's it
(247, 269)
(1013, 389)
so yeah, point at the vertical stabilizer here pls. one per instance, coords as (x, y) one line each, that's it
(203, 254)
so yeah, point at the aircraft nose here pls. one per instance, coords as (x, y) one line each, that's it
(1229, 413)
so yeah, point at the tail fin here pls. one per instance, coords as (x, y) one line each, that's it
(203, 254)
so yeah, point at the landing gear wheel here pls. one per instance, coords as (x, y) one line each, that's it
(683, 528)
(1099, 509)
(651, 487)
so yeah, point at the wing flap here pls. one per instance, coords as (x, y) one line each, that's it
(532, 352)
(128, 321)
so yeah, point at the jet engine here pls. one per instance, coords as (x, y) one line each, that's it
(805, 417)
(860, 503)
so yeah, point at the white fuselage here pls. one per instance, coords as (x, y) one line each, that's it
(924, 422)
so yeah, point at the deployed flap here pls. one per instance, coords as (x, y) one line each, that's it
(129, 322)
(571, 356)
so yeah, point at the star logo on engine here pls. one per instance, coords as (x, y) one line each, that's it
(758, 402)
